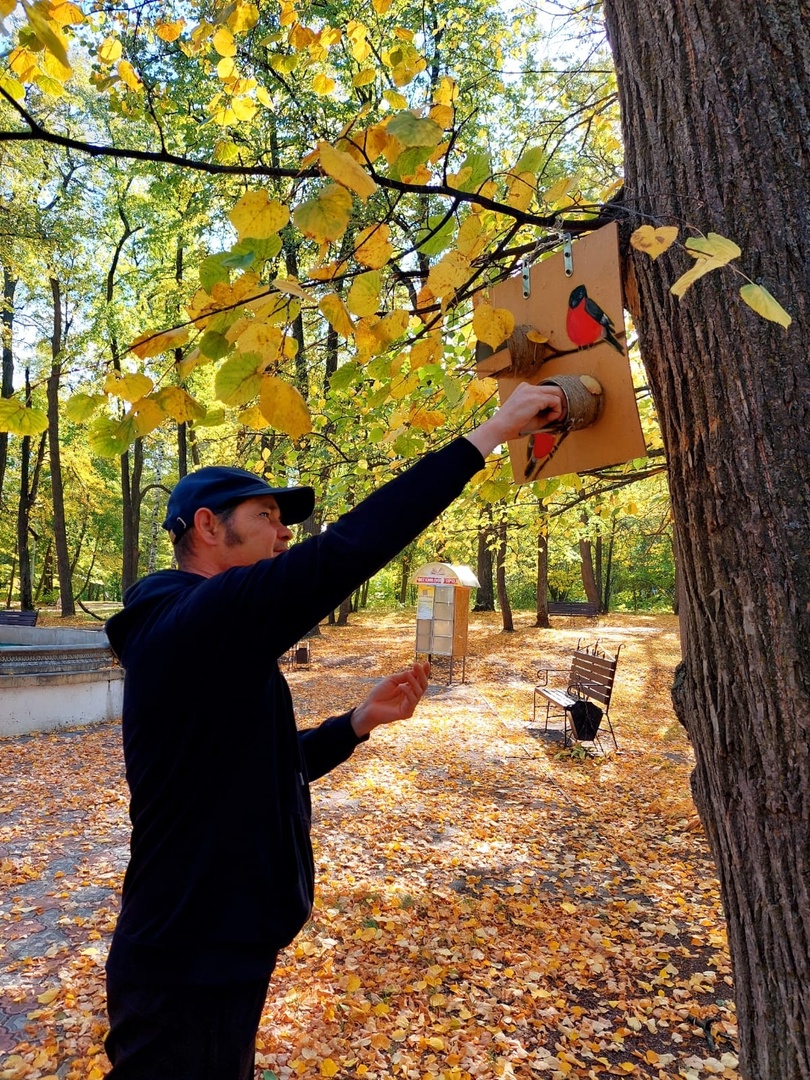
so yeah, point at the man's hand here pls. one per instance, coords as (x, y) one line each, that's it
(528, 407)
(395, 698)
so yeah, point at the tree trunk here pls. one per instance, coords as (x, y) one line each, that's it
(63, 568)
(542, 618)
(588, 576)
(485, 595)
(715, 99)
(7, 375)
(131, 471)
(500, 577)
(29, 484)
(344, 612)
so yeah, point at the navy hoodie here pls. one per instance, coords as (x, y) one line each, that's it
(221, 872)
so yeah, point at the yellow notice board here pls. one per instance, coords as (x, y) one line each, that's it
(570, 323)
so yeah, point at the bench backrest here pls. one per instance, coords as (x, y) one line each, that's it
(8, 617)
(593, 675)
(572, 607)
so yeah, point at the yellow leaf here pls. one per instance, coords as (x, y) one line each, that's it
(353, 984)
(225, 68)
(492, 325)
(323, 86)
(126, 73)
(289, 286)
(365, 77)
(146, 415)
(713, 246)
(128, 387)
(262, 339)
(283, 407)
(426, 350)
(654, 241)
(334, 310)
(364, 295)
(12, 87)
(373, 247)
(436, 1043)
(471, 240)
(328, 1067)
(392, 326)
(258, 216)
(568, 907)
(701, 267)
(395, 100)
(47, 32)
(244, 109)
(758, 298)
(449, 273)
(536, 337)
(557, 192)
(446, 92)
(521, 190)
(381, 6)
(48, 996)
(170, 31)
(64, 14)
(443, 115)
(6, 7)
(223, 42)
(110, 50)
(343, 168)
(252, 418)
(154, 342)
(179, 404)
(427, 420)
(479, 392)
(326, 217)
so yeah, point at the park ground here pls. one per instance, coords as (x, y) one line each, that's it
(489, 904)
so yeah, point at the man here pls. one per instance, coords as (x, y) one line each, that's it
(221, 874)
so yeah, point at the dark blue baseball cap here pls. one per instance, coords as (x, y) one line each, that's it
(218, 487)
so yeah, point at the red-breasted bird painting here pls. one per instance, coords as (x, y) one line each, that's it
(586, 323)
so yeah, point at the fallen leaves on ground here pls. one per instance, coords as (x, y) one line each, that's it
(489, 905)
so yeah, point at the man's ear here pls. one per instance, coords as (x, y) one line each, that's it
(206, 524)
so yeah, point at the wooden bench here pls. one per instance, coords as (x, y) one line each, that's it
(18, 618)
(590, 677)
(299, 655)
(573, 607)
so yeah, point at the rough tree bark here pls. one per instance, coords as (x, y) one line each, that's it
(7, 373)
(500, 579)
(715, 97)
(541, 612)
(63, 567)
(485, 594)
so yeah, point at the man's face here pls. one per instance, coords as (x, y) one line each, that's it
(255, 531)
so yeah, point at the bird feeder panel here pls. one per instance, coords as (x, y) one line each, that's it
(569, 327)
(442, 610)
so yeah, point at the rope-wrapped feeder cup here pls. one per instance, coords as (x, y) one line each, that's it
(584, 396)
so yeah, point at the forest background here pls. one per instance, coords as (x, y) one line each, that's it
(96, 250)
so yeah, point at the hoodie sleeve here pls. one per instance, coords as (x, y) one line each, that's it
(269, 606)
(329, 744)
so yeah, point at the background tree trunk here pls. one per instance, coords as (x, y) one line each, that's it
(7, 374)
(485, 594)
(63, 567)
(588, 576)
(542, 618)
(715, 100)
(500, 577)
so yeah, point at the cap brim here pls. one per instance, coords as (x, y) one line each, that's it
(295, 504)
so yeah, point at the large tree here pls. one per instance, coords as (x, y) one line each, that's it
(715, 99)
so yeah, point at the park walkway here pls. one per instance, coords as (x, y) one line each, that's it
(484, 904)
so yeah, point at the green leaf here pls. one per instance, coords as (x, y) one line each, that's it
(81, 407)
(214, 345)
(492, 491)
(409, 161)
(17, 419)
(531, 160)
(111, 438)
(481, 167)
(251, 250)
(213, 418)
(437, 236)
(213, 271)
(758, 298)
(411, 131)
(237, 381)
(346, 375)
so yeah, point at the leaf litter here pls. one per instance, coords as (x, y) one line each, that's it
(489, 904)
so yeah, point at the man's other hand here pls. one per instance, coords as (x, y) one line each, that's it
(395, 698)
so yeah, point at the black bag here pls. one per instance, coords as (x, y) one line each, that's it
(585, 719)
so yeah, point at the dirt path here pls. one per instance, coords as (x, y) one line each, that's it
(487, 906)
